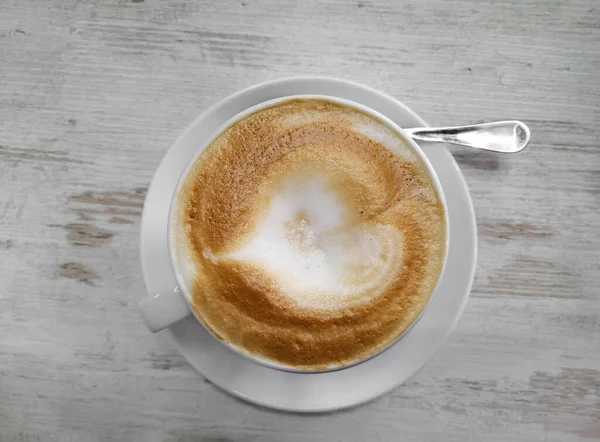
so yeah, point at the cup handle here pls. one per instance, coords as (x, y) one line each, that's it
(163, 308)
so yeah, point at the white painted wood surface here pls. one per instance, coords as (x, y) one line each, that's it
(93, 92)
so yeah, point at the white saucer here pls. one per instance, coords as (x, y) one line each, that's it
(328, 391)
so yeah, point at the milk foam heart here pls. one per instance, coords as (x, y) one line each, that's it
(310, 234)
(310, 246)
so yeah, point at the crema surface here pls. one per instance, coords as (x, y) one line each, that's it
(312, 232)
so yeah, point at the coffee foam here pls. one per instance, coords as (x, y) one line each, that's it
(315, 234)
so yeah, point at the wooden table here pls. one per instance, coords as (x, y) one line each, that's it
(92, 93)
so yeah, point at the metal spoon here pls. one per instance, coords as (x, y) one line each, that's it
(501, 136)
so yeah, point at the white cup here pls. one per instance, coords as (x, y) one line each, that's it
(165, 307)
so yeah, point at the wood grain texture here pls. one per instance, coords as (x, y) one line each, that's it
(92, 93)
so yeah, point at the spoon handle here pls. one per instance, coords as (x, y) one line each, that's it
(501, 136)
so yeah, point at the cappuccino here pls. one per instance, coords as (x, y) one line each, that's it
(312, 232)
